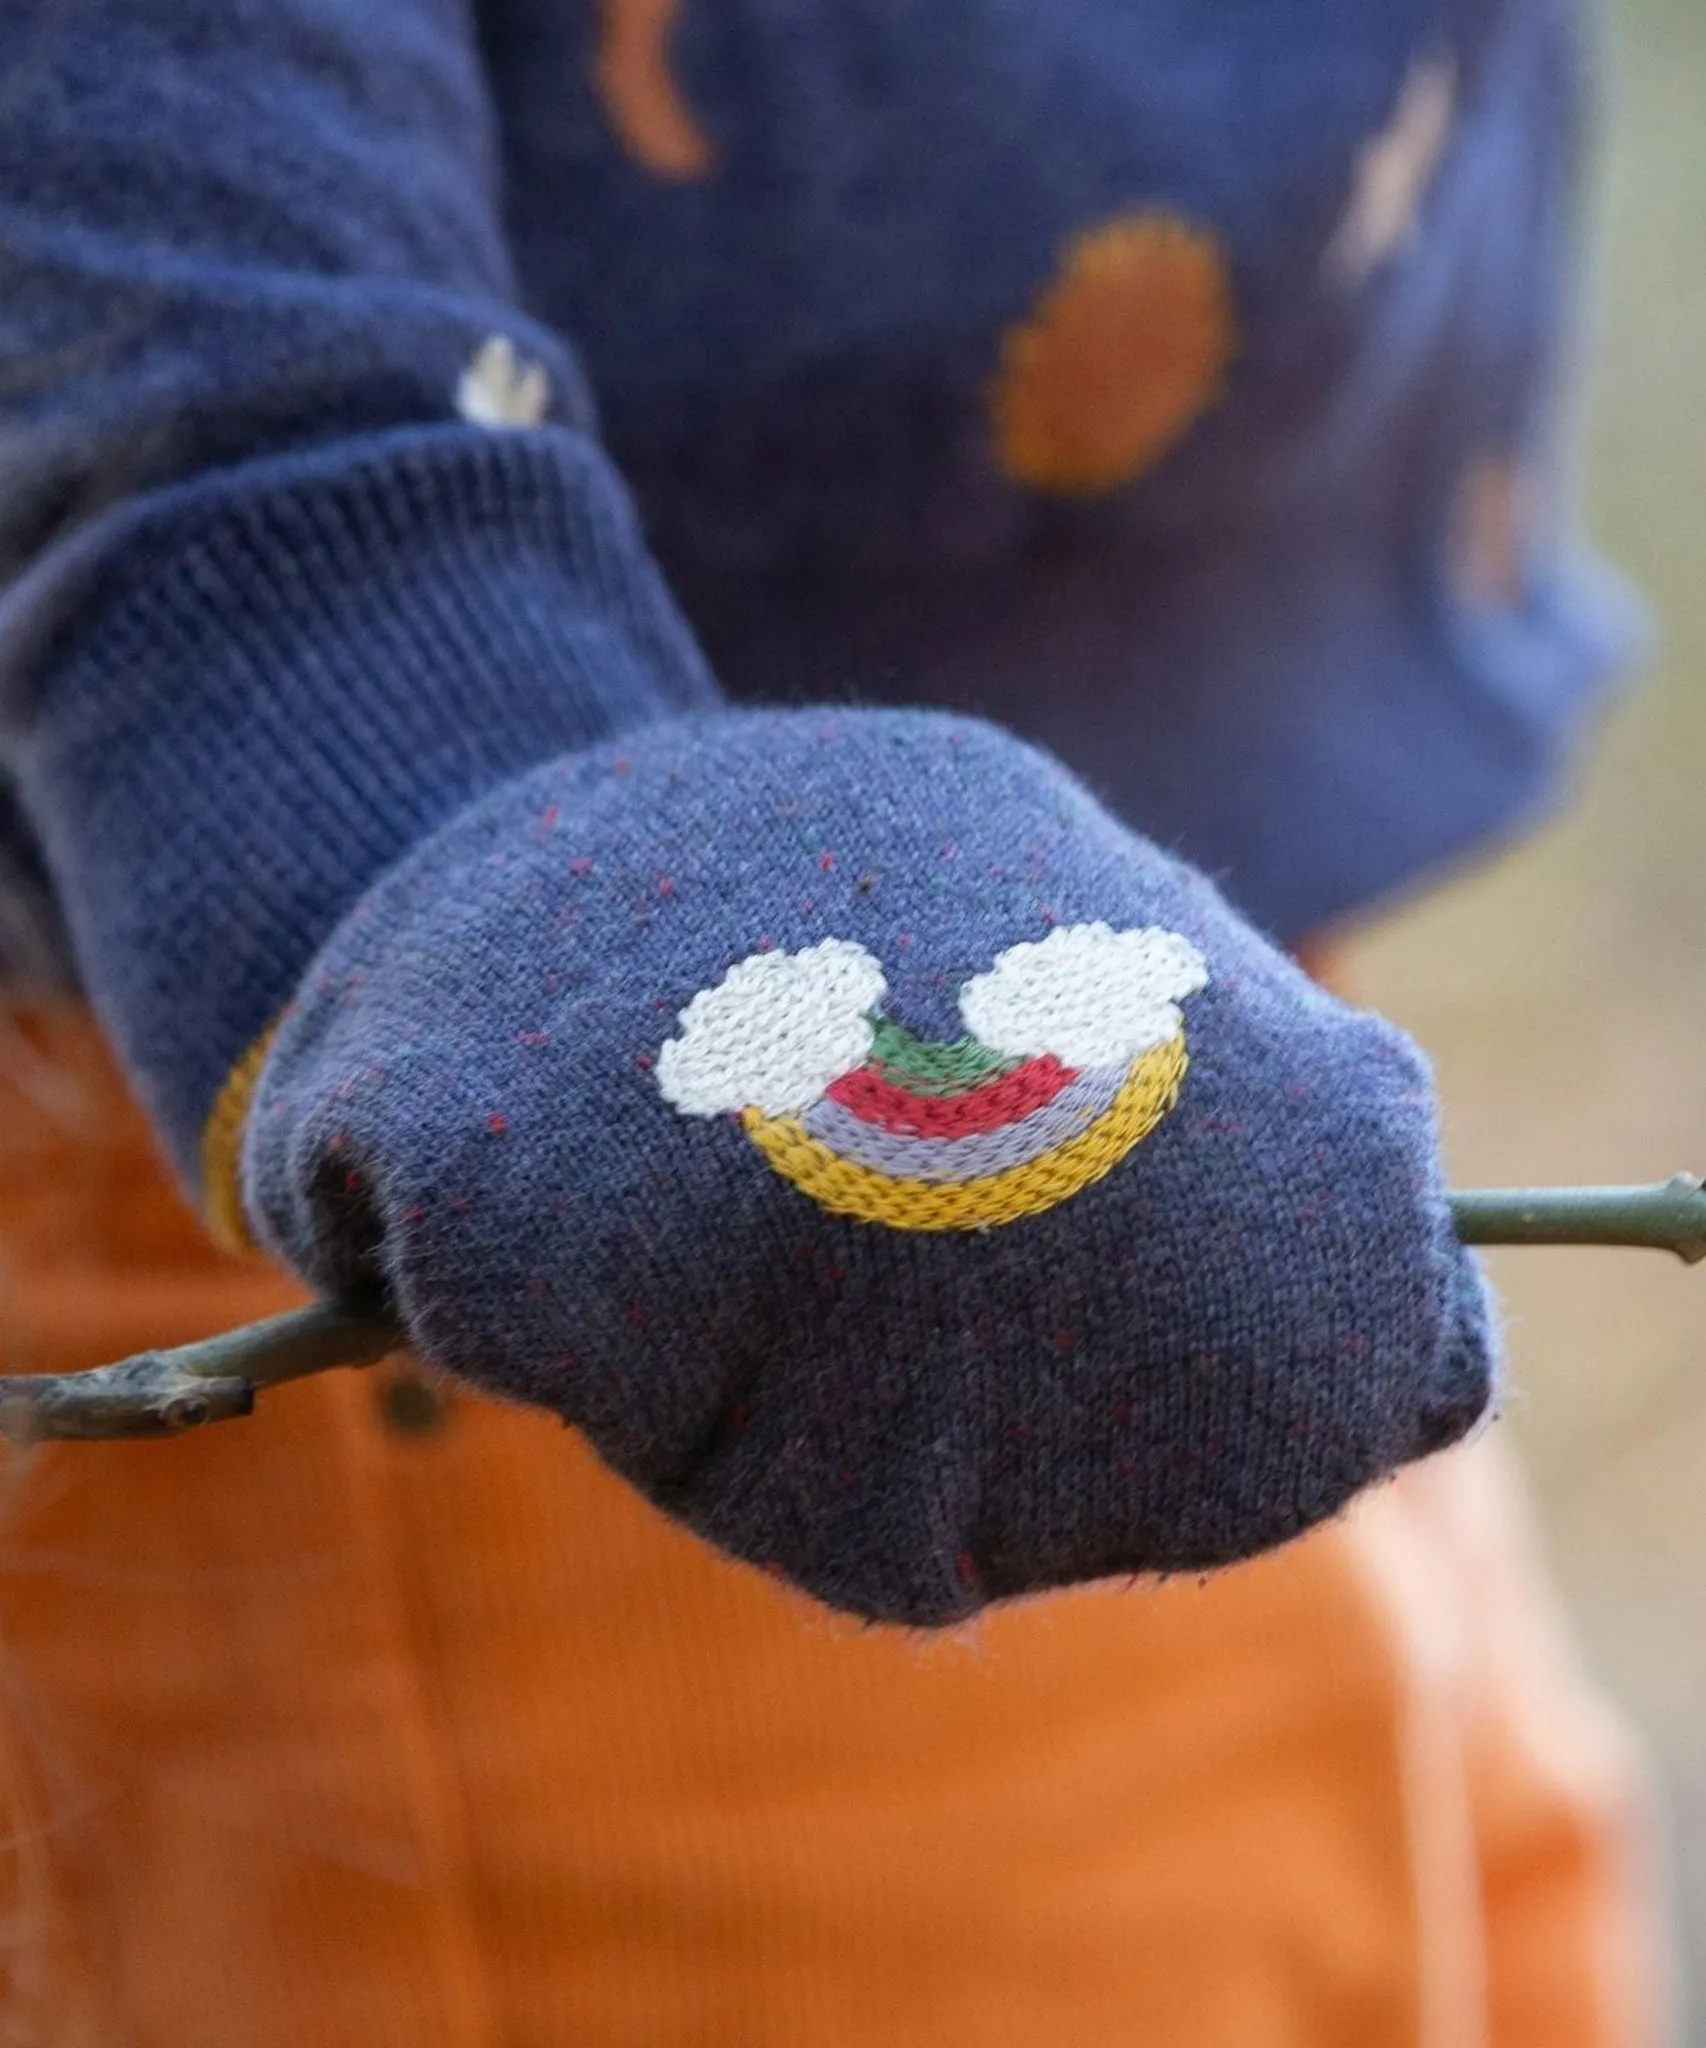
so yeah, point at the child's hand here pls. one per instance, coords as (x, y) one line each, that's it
(915, 1182)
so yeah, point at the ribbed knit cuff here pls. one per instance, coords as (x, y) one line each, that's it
(281, 677)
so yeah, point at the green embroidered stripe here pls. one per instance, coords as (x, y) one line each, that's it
(934, 1069)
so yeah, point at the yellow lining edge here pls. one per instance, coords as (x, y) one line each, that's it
(847, 1189)
(222, 1149)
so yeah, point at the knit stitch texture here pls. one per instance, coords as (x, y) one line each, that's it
(286, 676)
(911, 1177)
(1128, 374)
(510, 1095)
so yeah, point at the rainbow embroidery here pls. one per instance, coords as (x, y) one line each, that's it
(1074, 1051)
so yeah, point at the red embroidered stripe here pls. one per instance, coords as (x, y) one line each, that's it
(874, 1100)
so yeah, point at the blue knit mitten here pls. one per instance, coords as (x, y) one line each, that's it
(914, 1181)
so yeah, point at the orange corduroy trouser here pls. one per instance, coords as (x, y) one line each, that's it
(323, 1731)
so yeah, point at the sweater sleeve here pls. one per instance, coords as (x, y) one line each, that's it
(306, 537)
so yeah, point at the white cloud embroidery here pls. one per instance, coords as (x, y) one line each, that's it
(1090, 995)
(774, 1032)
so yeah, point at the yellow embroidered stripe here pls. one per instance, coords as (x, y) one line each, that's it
(222, 1149)
(847, 1189)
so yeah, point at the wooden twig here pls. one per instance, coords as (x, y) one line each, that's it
(1669, 1216)
(165, 1393)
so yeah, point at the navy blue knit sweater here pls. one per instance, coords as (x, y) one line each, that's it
(864, 293)
(788, 1097)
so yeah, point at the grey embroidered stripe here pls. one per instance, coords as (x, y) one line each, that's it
(970, 1158)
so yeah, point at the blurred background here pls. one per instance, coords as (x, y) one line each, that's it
(1562, 991)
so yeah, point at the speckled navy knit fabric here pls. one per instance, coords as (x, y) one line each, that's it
(482, 1100)
(858, 288)
(293, 673)
(918, 1181)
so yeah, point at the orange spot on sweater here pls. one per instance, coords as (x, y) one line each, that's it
(1126, 348)
(642, 99)
(1491, 533)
